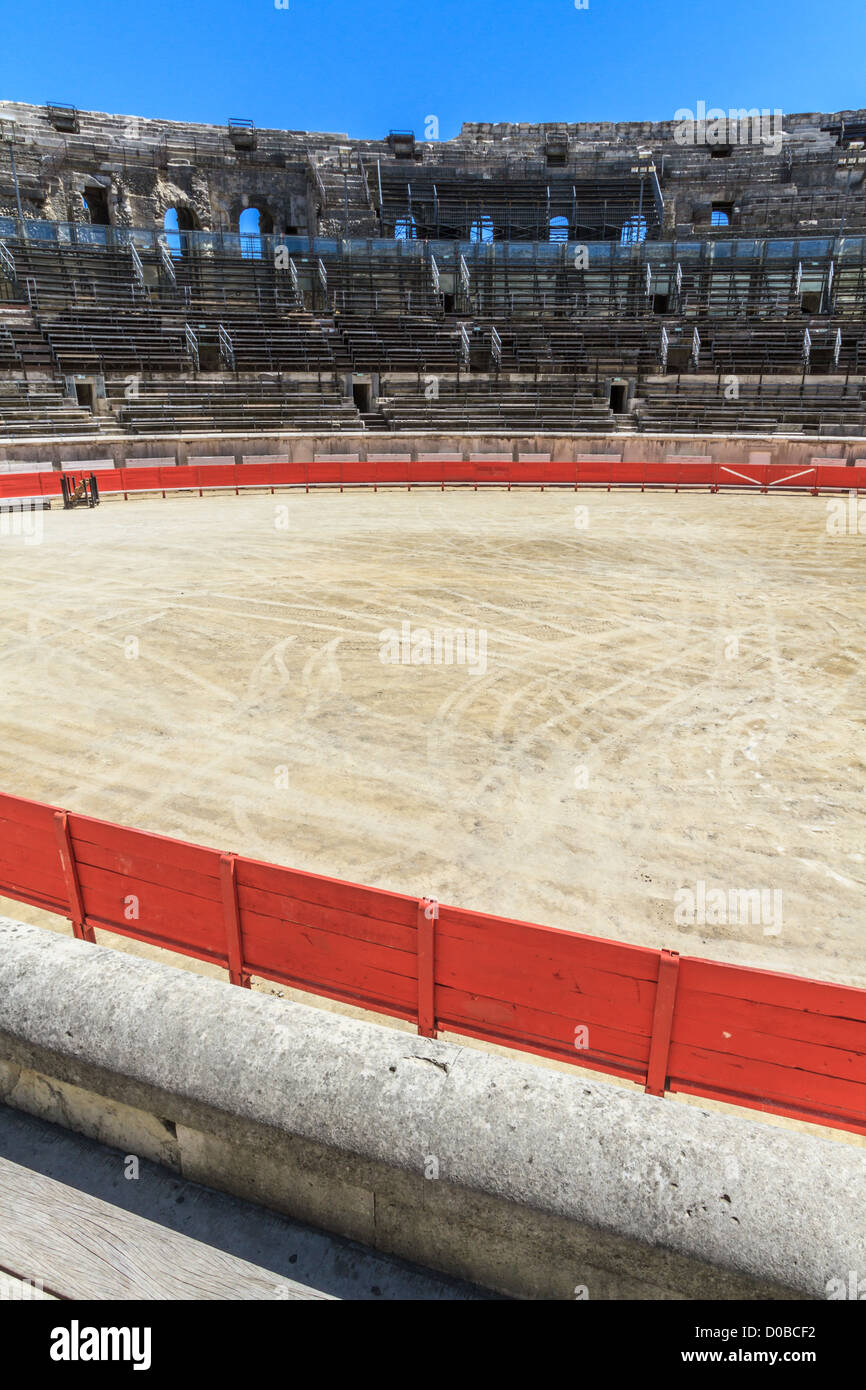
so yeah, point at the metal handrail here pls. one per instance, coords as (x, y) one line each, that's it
(192, 345)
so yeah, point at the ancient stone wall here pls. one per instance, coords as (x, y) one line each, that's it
(129, 170)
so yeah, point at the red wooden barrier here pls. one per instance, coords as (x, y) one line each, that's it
(713, 477)
(769, 1041)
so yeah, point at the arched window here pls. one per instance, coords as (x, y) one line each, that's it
(169, 222)
(720, 218)
(250, 228)
(559, 229)
(633, 231)
(404, 228)
(176, 222)
(481, 229)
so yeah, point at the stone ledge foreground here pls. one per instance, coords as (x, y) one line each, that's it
(525, 1180)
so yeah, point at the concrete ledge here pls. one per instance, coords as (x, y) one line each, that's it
(130, 451)
(528, 1181)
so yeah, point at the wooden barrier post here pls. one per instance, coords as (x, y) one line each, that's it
(70, 874)
(663, 1018)
(232, 917)
(428, 915)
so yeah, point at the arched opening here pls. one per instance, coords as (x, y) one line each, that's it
(720, 218)
(633, 231)
(250, 228)
(481, 229)
(559, 229)
(177, 222)
(96, 202)
(405, 229)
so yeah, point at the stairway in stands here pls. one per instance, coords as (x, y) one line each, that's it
(374, 421)
(31, 347)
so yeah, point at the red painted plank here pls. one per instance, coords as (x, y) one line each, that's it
(327, 957)
(254, 475)
(17, 891)
(425, 967)
(328, 892)
(728, 1013)
(695, 1066)
(518, 1023)
(215, 475)
(637, 962)
(772, 987)
(426, 473)
(39, 868)
(813, 1115)
(285, 910)
(134, 866)
(136, 480)
(123, 840)
(18, 836)
(288, 474)
(234, 945)
(20, 811)
(710, 1035)
(180, 948)
(554, 982)
(161, 912)
(305, 965)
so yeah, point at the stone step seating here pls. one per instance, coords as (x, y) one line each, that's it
(65, 274)
(750, 347)
(849, 287)
(583, 345)
(32, 351)
(747, 164)
(852, 356)
(802, 217)
(217, 279)
(740, 285)
(684, 406)
(500, 289)
(102, 340)
(231, 407)
(372, 284)
(30, 409)
(400, 343)
(501, 406)
(293, 342)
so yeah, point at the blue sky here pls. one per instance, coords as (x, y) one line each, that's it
(368, 66)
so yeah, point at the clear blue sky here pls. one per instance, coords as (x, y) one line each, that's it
(367, 66)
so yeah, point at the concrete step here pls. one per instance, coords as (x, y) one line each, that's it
(78, 1227)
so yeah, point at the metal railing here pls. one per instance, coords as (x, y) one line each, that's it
(137, 267)
(7, 262)
(191, 344)
(227, 351)
(465, 349)
(166, 261)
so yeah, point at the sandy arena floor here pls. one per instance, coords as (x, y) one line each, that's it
(674, 693)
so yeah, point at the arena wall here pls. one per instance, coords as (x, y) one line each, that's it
(523, 1179)
(169, 449)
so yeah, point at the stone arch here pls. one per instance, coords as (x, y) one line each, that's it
(177, 220)
(266, 222)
